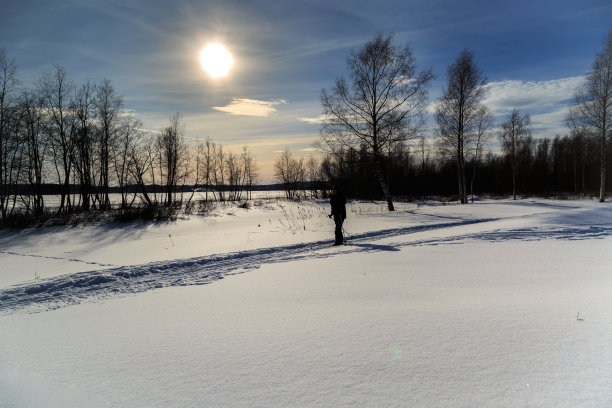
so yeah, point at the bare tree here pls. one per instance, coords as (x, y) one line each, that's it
(591, 110)
(109, 108)
(171, 144)
(84, 109)
(234, 176)
(459, 111)
(249, 169)
(56, 90)
(209, 161)
(35, 145)
(290, 172)
(141, 155)
(198, 171)
(9, 145)
(423, 150)
(382, 105)
(218, 169)
(129, 133)
(185, 170)
(514, 134)
(314, 176)
(479, 140)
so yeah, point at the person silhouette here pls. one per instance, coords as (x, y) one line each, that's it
(337, 200)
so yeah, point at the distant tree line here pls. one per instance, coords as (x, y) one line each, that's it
(82, 140)
(299, 178)
(559, 167)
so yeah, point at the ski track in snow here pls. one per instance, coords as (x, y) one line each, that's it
(56, 258)
(65, 290)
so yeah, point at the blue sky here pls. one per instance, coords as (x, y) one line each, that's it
(534, 53)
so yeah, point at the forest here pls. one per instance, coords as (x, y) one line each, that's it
(562, 167)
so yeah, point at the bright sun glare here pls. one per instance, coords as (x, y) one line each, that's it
(216, 60)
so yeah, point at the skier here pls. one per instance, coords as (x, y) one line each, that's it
(337, 200)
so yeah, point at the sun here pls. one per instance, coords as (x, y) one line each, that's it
(216, 60)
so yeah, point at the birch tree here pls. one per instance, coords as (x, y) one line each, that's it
(480, 138)
(514, 134)
(56, 89)
(171, 145)
(380, 105)
(84, 109)
(290, 172)
(459, 111)
(35, 148)
(250, 170)
(8, 113)
(109, 106)
(591, 109)
(129, 135)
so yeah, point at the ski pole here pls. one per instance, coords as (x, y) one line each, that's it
(345, 232)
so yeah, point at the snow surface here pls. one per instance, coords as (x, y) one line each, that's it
(492, 304)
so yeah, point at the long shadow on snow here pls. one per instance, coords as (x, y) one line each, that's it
(71, 289)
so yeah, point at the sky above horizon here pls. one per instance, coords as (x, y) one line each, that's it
(534, 54)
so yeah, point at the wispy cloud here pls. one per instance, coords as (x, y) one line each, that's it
(250, 107)
(530, 95)
(550, 123)
(314, 121)
(545, 101)
(157, 132)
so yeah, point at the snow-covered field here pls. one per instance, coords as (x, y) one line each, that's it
(492, 304)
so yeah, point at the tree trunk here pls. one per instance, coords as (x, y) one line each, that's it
(2, 187)
(380, 175)
(513, 179)
(461, 171)
(472, 179)
(464, 199)
(602, 183)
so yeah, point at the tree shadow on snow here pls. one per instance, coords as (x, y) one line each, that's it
(60, 291)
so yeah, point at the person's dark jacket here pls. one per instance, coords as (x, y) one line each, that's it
(338, 208)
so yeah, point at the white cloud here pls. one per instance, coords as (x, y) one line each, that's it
(545, 101)
(157, 132)
(504, 96)
(250, 107)
(550, 123)
(402, 80)
(314, 121)
(431, 107)
(533, 97)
